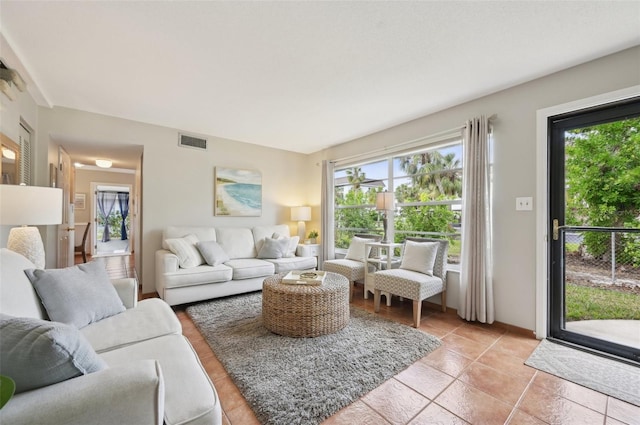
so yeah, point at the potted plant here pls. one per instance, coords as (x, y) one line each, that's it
(313, 236)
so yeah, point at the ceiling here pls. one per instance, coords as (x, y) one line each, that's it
(298, 75)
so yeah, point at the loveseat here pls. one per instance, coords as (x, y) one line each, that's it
(200, 263)
(129, 365)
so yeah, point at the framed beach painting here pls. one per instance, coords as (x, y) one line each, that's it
(238, 193)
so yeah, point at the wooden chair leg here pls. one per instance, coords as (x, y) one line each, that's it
(417, 311)
(376, 300)
(351, 285)
(444, 301)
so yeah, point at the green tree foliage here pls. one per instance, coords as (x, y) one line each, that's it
(603, 183)
(433, 177)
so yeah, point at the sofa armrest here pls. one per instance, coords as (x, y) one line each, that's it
(127, 289)
(127, 394)
(166, 262)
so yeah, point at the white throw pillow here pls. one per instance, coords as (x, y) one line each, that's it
(419, 256)
(357, 249)
(293, 244)
(212, 252)
(274, 248)
(186, 251)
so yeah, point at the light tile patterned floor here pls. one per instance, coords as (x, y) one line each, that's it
(476, 377)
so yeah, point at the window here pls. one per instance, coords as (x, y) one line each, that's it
(427, 182)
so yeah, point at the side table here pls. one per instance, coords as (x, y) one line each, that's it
(384, 260)
(309, 250)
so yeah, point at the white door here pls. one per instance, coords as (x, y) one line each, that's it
(66, 230)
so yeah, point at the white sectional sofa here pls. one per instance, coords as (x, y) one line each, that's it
(131, 367)
(240, 261)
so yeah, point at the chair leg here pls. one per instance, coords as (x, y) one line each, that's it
(351, 285)
(417, 310)
(376, 300)
(444, 301)
(84, 255)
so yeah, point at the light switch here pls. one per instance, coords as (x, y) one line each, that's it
(524, 204)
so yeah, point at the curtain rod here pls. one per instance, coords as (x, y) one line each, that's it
(443, 135)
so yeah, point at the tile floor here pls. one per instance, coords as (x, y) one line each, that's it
(476, 377)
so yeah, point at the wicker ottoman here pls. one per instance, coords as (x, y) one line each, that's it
(305, 310)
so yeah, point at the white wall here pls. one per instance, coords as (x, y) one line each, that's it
(177, 183)
(514, 164)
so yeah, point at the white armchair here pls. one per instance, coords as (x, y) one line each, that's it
(422, 274)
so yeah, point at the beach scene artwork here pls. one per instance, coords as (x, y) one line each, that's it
(238, 193)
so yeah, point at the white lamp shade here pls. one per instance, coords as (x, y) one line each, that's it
(300, 213)
(30, 205)
(385, 201)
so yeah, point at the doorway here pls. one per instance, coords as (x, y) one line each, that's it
(113, 225)
(594, 228)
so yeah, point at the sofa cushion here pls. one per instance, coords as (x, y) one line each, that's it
(76, 295)
(189, 395)
(17, 295)
(203, 233)
(36, 353)
(150, 319)
(248, 268)
(237, 242)
(419, 256)
(186, 251)
(357, 250)
(212, 252)
(274, 248)
(196, 276)
(286, 264)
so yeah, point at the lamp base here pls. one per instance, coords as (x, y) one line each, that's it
(26, 241)
(302, 230)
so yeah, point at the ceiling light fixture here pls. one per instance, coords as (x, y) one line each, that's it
(103, 163)
(8, 153)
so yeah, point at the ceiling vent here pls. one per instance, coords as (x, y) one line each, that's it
(192, 142)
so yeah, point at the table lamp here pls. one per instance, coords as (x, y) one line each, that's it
(384, 203)
(29, 205)
(301, 214)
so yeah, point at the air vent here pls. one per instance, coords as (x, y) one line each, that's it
(192, 142)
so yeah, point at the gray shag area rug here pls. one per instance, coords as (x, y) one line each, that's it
(608, 376)
(305, 380)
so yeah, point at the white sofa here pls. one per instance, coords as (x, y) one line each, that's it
(242, 272)
(150, 374)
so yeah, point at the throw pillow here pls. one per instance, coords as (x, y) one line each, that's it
(36, 353)
(186, 251)
(419, 256)
(76, 295)
(273, 248)
(293, 244)
(212, 252)
(357, 249)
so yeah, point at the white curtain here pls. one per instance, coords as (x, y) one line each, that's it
(327, 218)
(476, 271)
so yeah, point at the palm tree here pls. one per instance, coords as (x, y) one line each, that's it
(355, 176)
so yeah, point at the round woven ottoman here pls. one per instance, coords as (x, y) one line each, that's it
(305, 310)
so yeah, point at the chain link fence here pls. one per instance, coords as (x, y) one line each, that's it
(605, 259)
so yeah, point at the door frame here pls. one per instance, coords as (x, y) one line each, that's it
(94, 212)
(542, 193)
